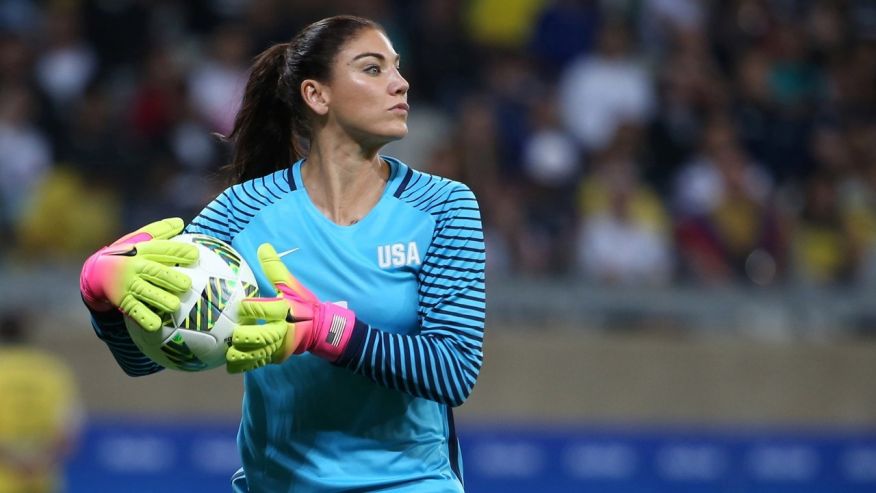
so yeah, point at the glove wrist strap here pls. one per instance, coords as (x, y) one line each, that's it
(333, 333)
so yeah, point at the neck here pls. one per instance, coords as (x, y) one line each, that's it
(343, 179)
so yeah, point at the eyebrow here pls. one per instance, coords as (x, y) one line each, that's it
(379, 56)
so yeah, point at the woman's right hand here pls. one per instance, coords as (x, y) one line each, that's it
(134, 273)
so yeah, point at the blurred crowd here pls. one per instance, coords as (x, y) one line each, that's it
(627, 142)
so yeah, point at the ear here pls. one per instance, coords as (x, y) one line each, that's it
(316, 95)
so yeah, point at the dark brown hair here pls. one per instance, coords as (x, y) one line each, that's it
(271, 129)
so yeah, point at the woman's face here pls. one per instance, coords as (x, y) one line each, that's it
(367, 95)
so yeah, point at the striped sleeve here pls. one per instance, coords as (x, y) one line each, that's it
(219, 218)
(230, 212)
(110, 328)
(442, 362)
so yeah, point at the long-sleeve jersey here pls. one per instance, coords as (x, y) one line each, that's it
(413, 272)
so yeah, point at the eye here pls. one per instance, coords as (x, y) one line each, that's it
(372, 69)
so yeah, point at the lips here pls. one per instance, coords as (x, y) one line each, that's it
(401, 106)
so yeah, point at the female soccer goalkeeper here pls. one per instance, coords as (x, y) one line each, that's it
(350, 380)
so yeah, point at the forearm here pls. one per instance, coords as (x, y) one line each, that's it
(437, 365)
(110, 328)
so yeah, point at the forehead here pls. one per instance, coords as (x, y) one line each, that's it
(367, 41)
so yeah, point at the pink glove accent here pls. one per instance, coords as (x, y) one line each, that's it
(95, 274)
(322, 328)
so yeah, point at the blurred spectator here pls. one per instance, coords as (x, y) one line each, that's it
(119, 31)
(174, 137)
(563, 30)
(862, 14)
(550, 156)
(67, 63)
(825, 27)
(505, 23)
(102, 154)
(192, 178)
(476, 137)
(216, 84)
(662, 20)
(857, 192)
(15, 60)
(443, 58)
(702, 185)
(794, 81)
(430, 130)
(19, 16)
(513, 89)
(40, 413)
(267, 23)
(551, 167)
(689, 88)
(795, 87)
(724, 208)
(66, 218)
(623, 236)
(752, 106)
(602, 91)
(25, 155)
(824, 250)
(158, 97)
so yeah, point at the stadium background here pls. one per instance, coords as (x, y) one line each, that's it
(679, 200)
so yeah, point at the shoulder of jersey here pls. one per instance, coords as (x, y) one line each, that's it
(430, 193)
(278, 182)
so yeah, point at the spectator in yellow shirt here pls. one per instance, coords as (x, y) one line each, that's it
(39, 412)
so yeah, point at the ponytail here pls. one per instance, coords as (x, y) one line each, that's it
(271, 129)
(263, 135)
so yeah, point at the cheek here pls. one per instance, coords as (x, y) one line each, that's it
(359, 97)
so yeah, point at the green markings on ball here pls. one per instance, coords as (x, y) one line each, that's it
(205, 312)
(250, 290)
(224, 251)
(178, 352)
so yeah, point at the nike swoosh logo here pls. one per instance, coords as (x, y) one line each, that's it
(130, 252)
(287, 252)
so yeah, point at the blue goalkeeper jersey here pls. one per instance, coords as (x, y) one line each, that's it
(413, 272)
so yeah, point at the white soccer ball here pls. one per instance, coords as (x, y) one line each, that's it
(196, 336)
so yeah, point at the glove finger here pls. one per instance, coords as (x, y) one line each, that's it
(252, 310)
(168, 252)
(277, 273)
(254, 337)
(232, 366)
(164, 229)
(237, 361)
(274, 268)
(163, 276)
(140, 313)
(153, 296)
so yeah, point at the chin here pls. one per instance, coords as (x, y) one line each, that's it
(384, 135)
(395, 133)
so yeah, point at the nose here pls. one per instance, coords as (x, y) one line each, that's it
(399, 85)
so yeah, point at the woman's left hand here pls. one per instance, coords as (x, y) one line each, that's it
(294, 322)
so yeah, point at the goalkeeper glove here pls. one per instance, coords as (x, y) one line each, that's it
(294, 322)
(133, 273)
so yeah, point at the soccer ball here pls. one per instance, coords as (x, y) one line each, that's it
(196, 336)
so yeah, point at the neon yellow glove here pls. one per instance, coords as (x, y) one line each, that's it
(133, 273)
(294, 322)
(254, 345)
